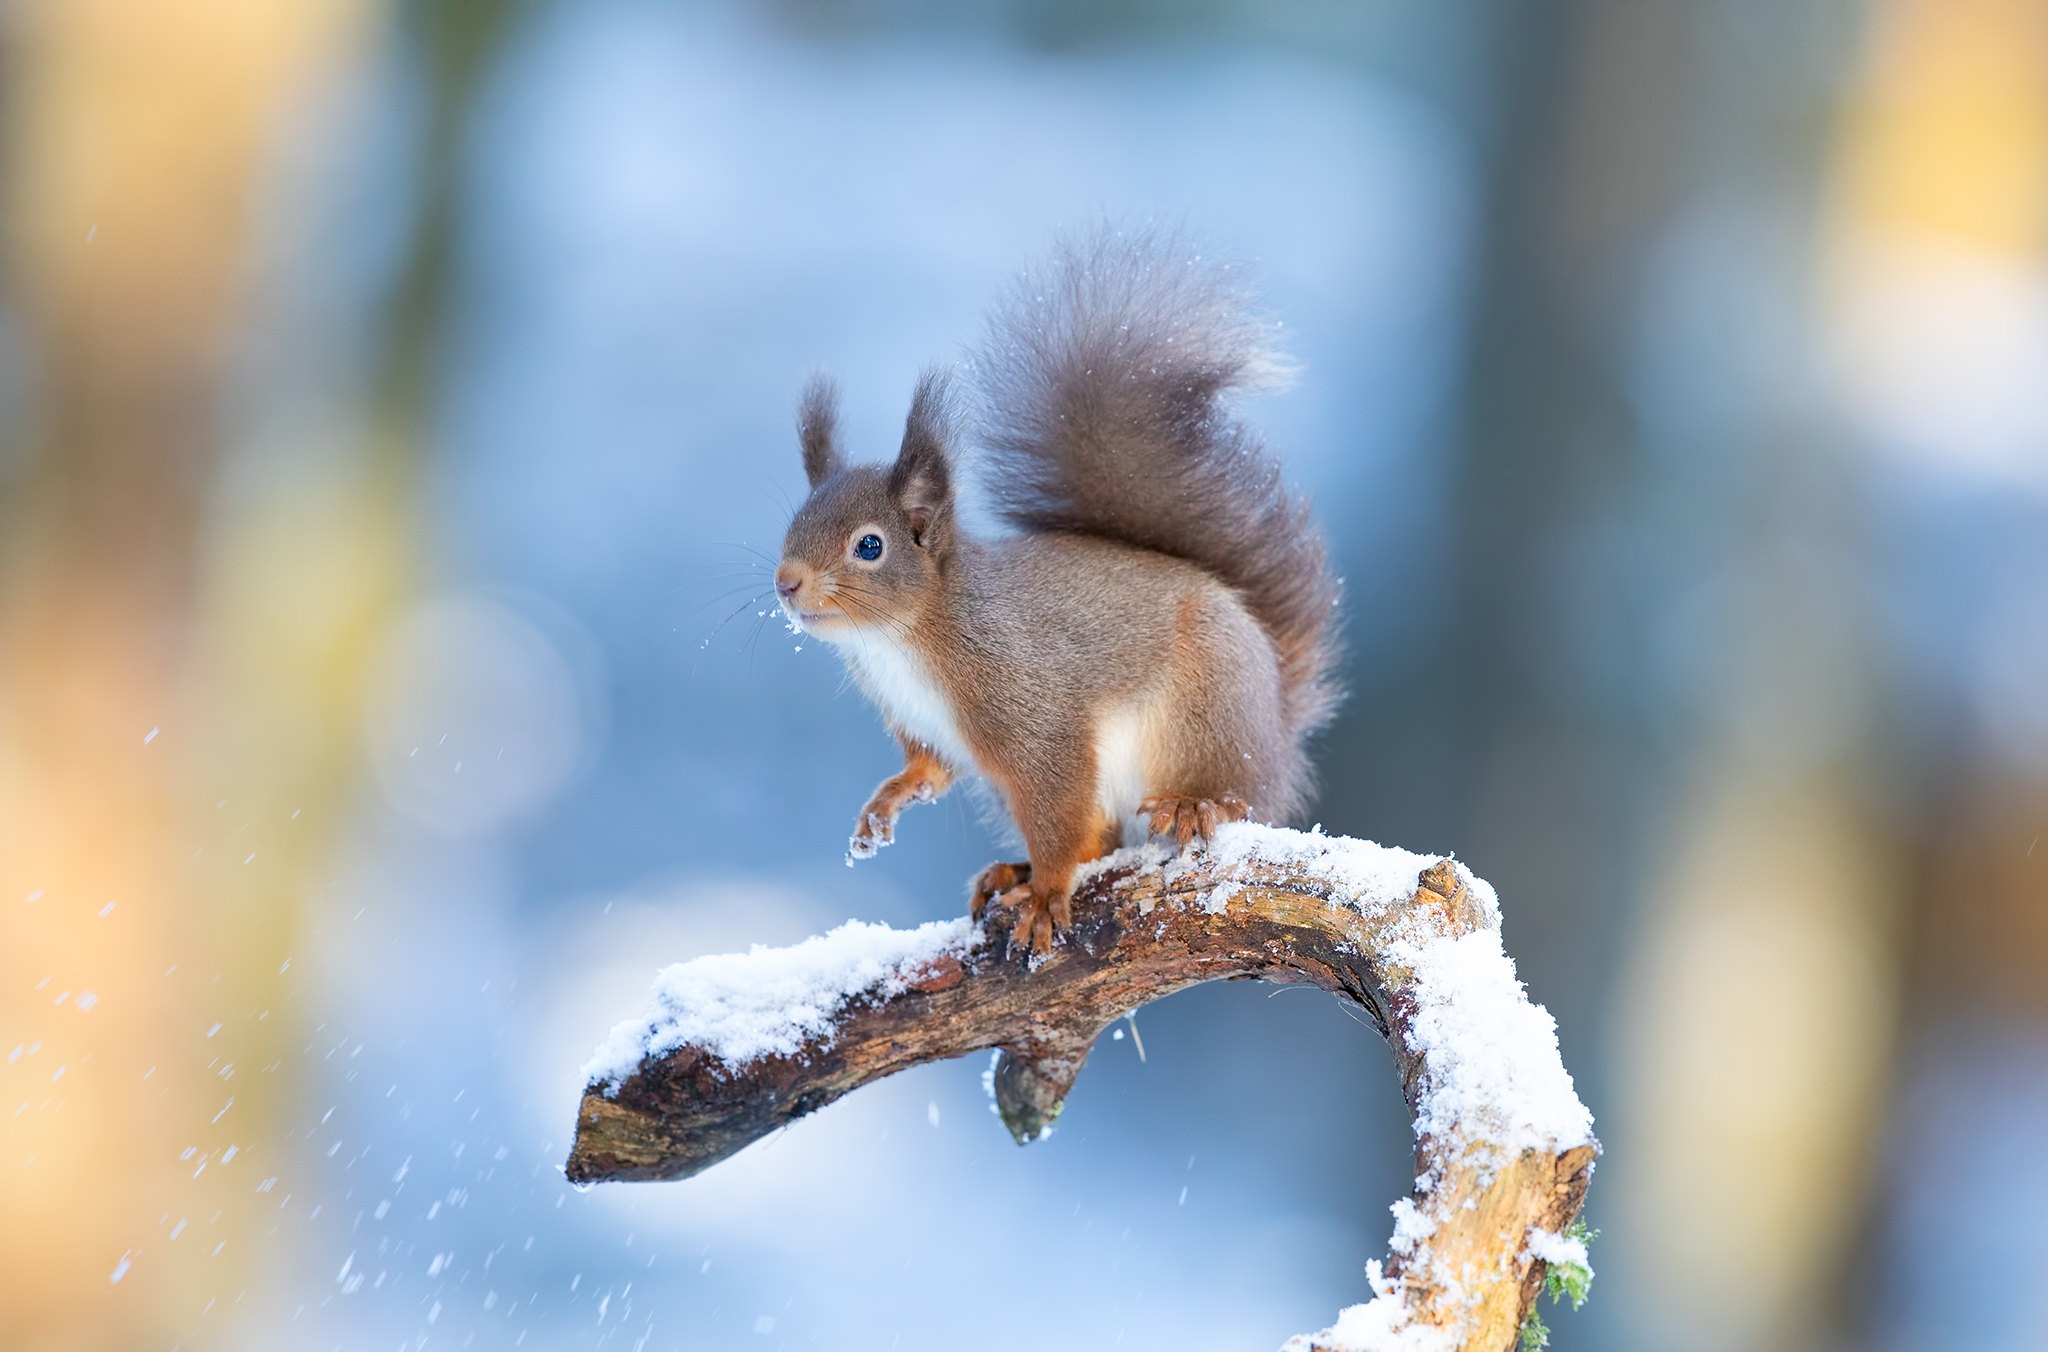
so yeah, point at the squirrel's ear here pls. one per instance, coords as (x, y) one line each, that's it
(817, 429)
(921, 480)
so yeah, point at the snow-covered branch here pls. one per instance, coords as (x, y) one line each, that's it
(737, 1046)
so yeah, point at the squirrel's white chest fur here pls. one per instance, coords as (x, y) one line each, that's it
(894, 678)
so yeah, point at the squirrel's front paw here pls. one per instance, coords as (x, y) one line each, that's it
(877, 825)
(873, 832)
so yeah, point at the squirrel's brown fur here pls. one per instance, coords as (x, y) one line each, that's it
(1157, 635)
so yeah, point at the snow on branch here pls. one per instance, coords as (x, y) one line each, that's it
(740, 1045)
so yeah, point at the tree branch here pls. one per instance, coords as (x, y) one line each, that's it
(739, 1046)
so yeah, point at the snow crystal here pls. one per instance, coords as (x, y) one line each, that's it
(769, 1001)
(1379, 1325)
(1371, 877)
(1368, 876)
(1559, 1250)
(1411, 1227)
(1493, 1071)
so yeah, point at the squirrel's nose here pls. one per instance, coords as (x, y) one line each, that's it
(787, 580)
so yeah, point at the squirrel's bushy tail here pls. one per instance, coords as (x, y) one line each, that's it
(1103, 381)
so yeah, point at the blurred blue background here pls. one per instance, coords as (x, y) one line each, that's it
(397, 416)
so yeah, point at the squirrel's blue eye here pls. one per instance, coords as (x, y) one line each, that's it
(868, 547)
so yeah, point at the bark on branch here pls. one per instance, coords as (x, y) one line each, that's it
(1504, 1150)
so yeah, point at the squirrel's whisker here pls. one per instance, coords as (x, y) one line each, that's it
(755, 599)
(727, 595)
(763, 555)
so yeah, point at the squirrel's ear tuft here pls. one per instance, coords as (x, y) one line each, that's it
(817, 429)
(921, 480)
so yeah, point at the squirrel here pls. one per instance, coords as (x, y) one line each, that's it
(1154, 641)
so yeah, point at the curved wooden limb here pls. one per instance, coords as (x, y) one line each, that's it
(1503, 1146)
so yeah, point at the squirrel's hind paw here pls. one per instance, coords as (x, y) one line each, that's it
(1036, 918)
(1188, 819)
(991, 883)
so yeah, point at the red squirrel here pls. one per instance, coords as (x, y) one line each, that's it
(1154, 641)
